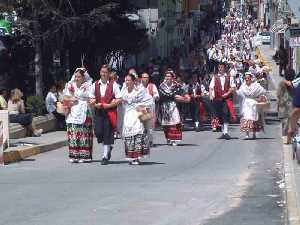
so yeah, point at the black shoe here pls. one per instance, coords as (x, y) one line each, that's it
(109, 153)
(104, 161)
(227, 137)
(197, 129)
(222, 136)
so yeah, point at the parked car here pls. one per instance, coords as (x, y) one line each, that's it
(265, 37)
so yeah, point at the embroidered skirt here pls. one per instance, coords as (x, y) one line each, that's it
(251, 126)
(136, 147)
(173, 132)
(80, 139)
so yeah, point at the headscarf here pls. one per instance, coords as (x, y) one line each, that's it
(87, 77)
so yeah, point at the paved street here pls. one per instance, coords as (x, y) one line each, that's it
(204, 181)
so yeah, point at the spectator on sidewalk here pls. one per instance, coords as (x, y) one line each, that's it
(3, 96)
(282, 56)
(60, 90)
(51, 106)
(17, 113)
(284, 106)
(295, 114)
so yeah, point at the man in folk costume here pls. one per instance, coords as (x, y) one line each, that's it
(221, 90)
(153, 92)
(105, 98)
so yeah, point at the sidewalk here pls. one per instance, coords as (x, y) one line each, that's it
(23, 148)
(291, 168)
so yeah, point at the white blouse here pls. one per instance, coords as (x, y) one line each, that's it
(131, 123)
(78, 112)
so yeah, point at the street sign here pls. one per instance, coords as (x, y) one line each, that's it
(295, 42)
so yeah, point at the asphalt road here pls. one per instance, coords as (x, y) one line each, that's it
(204, 181)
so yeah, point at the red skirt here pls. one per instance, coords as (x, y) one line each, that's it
(173, 132)
(251, 126)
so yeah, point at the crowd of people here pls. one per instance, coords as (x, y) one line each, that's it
(133, 109)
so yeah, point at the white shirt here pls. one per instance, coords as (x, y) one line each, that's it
(50, 102)
(222, 79)
(154, 90)
(103, 86)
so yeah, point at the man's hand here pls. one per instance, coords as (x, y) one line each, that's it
(98, 106)
(288, 83)
(225, 95)
(105, 106)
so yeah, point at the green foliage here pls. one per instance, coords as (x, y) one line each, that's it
(36, 105)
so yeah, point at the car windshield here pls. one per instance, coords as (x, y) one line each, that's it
(265, 34)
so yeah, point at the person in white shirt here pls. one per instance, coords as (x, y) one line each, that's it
(153, 92)
(220, 87)
(51, 101)
(105, 97)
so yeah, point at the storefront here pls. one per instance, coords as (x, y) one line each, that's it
(293, 37)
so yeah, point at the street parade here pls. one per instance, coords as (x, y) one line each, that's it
(234, 76)
(158, 112)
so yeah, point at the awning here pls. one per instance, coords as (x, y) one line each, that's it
(278, 27)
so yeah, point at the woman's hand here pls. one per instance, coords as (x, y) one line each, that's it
(74, 102)
(178, 98)
(92, 101)
(262, 98)
(141, 109)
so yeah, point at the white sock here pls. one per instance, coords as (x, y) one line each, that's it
(196, 124)
(106, 149)
(225, 128)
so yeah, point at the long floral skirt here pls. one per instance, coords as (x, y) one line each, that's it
(136, 147)
(173, 132)
(251, 126)
(80, 139)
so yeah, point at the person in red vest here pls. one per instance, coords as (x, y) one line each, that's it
(221, 91)
(153, 92)
(105, 97)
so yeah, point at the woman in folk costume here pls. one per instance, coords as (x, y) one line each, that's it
(251, 93)
(170, 93)
(78, 117)
(135, 101)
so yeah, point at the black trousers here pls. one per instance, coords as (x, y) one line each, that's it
(195, 111)
(209, 107)
(24, 119)
(222, 111)
(103, 128)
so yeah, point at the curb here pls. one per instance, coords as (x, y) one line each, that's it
(292, 210)
(13, 156)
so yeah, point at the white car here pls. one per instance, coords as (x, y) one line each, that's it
(265, 37)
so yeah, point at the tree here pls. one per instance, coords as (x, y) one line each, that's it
(95, 28)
